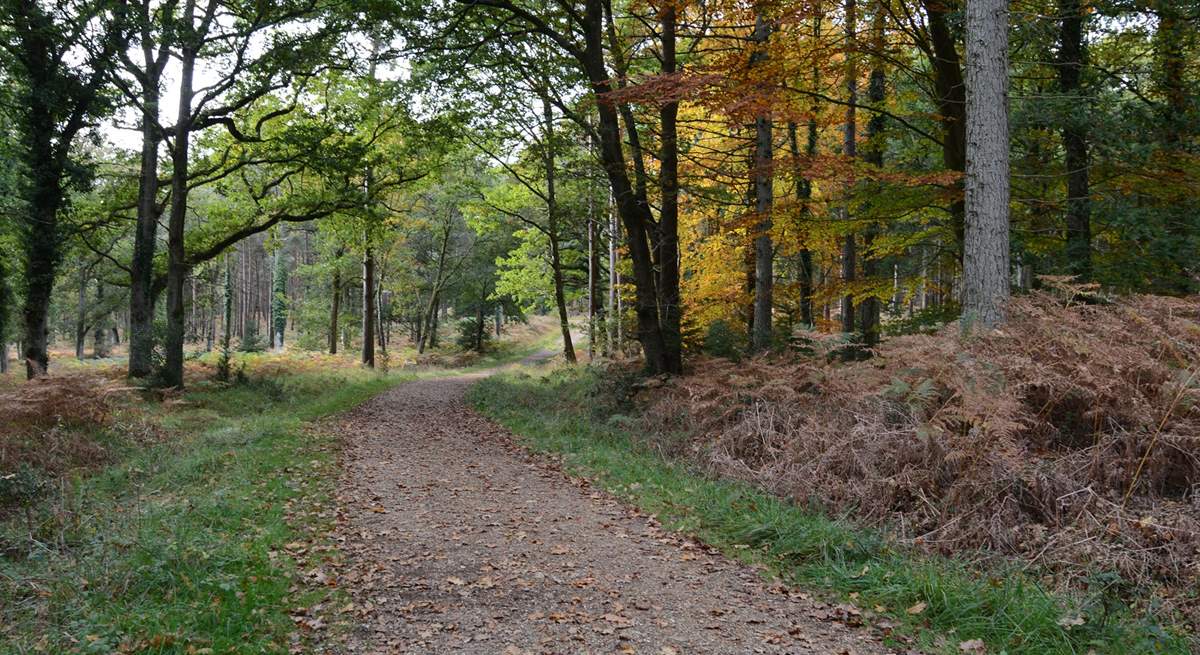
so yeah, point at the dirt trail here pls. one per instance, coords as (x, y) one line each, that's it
(459, 541)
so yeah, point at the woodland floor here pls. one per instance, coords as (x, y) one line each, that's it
(457, 540)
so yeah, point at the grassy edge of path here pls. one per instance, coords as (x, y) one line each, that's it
(191, 545)
(939, 604)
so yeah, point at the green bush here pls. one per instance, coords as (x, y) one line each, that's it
(253, 341)
(21, 487)
(723, 340)
(926, 320)
(471, 337)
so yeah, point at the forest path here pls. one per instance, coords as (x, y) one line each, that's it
(459, 541)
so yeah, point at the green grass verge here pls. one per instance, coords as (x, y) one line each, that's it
(564, 413)
(181, 547)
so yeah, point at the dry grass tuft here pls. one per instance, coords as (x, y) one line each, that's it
(54, 423)
(1071, 438)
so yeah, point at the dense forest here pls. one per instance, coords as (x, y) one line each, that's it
(866, 226)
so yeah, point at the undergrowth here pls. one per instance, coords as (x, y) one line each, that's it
(1066, 440)
(939, 601)
(185, 546)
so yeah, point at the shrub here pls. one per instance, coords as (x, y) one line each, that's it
(723, 340)
(253, 341)
(21, 487)
(471, 336)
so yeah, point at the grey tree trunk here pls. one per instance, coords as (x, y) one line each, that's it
(100, 329)
(43, 252)
(176, 266)
(145, 236)
(985, 248)
(764, 199)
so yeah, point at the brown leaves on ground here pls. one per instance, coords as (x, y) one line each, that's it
(52, 423)
(1025, 440)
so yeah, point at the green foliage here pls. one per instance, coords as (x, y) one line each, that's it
(929, 319)
(928, 597)
(524, 274)
(472, 335)
(725, 340)
(252, 342)
(21, 487)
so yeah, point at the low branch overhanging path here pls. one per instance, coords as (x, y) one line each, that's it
(459, 541)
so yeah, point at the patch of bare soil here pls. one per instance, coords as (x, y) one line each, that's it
(458, 541)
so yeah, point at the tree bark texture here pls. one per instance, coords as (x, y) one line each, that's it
(985, 251)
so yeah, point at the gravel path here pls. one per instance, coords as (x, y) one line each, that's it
(459, 541)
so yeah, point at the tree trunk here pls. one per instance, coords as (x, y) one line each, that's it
(849, 149)
(804, 187)
(592, 263)
(1072, 57)
(100, 330)
(177, 268)
(670, 305)
(335, 305)
(633, 208)
(952, 104)
(869, 312)
(433, 327)
(81, 326)
(368, 303)
(145, 235)
(43, 252)
(560, 298)
(985, 252)
(615, 314)
(279, 274)
(1171, 63)
(381, 313)
(803, 197)
(6, 297)
(764, 198)
(479, 327)
(227, 315)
